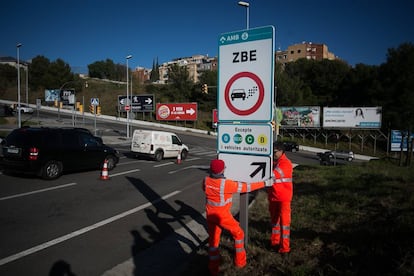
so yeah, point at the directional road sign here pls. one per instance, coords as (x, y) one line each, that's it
(246, 75)
(137, 103)
(247, 168)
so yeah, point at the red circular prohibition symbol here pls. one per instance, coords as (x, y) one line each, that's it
(255, 107)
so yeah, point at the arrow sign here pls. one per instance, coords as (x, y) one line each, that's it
(242, 167)
(190, 111)
(261, 167)
(148, 101)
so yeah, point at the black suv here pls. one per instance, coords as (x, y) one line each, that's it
(48, 152)
(291, 146)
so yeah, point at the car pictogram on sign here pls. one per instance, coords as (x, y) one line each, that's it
(238, 94)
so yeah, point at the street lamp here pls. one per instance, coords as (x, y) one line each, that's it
(128, 104)
(245, 4)
(18, 85)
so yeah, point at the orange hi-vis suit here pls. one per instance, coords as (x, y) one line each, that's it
(280, 197)
(219, 194)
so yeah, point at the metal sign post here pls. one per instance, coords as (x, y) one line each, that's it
(245, 107)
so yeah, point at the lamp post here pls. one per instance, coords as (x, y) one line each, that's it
(128, 103)
(245, 4)
(18, 85)
(27, 83)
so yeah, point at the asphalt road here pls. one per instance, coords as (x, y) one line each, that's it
(88, 226)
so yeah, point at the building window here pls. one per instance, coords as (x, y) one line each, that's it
(299, 51)
(292, 52)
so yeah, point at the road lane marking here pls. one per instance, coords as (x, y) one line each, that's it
(125, 172)
(204, 167)
(38, 191)
(82, 231)
(164, 164)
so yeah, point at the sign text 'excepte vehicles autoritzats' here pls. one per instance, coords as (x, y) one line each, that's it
(176, 111)
(245, 138)
(246, 75)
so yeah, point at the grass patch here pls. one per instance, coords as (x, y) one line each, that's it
(346, 220)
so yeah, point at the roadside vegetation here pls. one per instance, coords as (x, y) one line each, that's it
(346, 220)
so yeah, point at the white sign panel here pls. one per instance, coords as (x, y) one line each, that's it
(246, 168)
(352, 117)
(246, 61)
(245, 138)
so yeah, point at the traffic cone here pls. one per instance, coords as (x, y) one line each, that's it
(179, 157)
(104, 174)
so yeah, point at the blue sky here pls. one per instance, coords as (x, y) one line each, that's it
(85, 31)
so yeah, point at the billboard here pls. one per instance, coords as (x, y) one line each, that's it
(300, 116)
(398, 136)
(352, 117)
(52, 95)
(67, 96)
(176, 111)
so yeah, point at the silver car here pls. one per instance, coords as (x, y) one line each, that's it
(342, 154)
(24, 109)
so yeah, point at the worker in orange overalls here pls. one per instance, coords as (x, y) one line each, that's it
(280, 197)
(219, 193)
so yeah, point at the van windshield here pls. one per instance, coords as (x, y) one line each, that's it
(176, 140)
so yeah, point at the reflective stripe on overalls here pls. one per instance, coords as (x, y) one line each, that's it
(282, 178)
(224, 201)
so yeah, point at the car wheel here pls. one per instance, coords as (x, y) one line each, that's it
(52, 170)
(159, 155)
(349, 159)
(111, 163)
(184, 154)
(293, 150)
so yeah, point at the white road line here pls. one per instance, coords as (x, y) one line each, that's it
(132, 162)
(81, 231)
(190, 167)
(38, 191)
(164, 164)
(126, 172)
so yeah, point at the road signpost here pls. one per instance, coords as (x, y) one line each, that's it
(95, 103)
(245, 107)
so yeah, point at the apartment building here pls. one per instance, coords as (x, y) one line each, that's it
(306, 50)
(196, 65)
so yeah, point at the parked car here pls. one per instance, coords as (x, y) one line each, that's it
(24, 109)
(49, 152)
(157, 145)
(291, 146)
(339, 154)
(325, 158)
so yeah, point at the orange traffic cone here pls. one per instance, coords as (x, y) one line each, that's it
(179, 157)
(104, 174)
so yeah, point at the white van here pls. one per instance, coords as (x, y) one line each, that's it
(157, 144)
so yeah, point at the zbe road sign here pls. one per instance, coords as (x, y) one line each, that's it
(246, 75)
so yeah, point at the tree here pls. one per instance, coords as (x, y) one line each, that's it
(8, 76)
(155, 74)
(360, 87)
(207, 102)
(397, 78)
(180, 84)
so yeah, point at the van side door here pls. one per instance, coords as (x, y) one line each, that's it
(175, 145)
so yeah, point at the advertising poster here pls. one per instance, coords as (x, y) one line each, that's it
(52, 95)
(396, 138)
(352, 117)
(300, 116)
